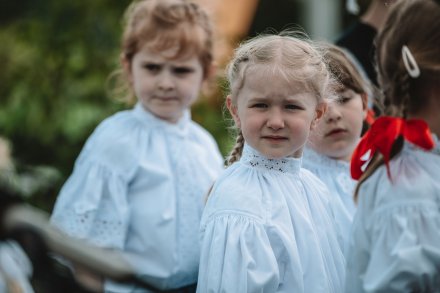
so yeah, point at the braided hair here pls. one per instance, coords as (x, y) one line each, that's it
(291, 55)
(414, 25)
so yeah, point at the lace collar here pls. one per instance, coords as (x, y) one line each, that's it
(151, 121)
(254, 159)
(314, 158)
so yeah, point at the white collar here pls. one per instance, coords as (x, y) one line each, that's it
(254, 159)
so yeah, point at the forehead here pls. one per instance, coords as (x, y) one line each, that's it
(272, 80)
(169, 55)
(178, 41)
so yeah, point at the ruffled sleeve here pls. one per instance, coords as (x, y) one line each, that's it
(395, 246)
(236, 256)
(404, 254)
(92, 205)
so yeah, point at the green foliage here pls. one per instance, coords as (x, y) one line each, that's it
(56, 56)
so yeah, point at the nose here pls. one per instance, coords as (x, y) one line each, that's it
(165, 81)
(333, 114)
(275, 120)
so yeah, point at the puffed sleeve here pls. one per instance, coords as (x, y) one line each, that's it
(396, 249)
(93, 205)
(236, 256)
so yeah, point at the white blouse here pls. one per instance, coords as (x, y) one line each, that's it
(268, 227)
(336, 175)
(15, 268)
(139, 186)
(395, 241)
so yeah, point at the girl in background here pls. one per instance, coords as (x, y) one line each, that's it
(138, 185)
(268, 224)
(395, 239)
(332, 142)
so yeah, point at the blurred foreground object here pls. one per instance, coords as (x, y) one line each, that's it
(40, 241)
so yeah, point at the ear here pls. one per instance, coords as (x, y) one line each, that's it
(233, 110)
(126, 66)
(364, 98)
(211, 71)
(320, 110)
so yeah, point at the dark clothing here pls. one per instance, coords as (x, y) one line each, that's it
(358, 39)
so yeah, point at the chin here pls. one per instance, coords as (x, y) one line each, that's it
(340, 157)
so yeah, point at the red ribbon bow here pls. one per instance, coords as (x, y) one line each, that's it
(381, 136)
(370, 117)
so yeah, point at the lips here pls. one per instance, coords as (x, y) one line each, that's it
(274, 137)
(336, 131)
(166, 98)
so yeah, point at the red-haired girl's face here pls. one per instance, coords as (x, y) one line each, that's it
(165, 86)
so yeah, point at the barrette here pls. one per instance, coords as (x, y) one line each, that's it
(410, 62)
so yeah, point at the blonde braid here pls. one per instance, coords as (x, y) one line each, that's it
(237, 150)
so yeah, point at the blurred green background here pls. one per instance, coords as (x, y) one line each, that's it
(55, 58)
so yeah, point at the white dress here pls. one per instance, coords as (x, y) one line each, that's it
(395, 244)
(15, 268)
(268, 227)
(139, 186)
(336, 175)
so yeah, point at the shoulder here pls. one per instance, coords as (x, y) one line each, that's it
(205, 142)
(414, 177)
(201, 135)
(236, 191)
(310, 179)
(115, 125)
(114, 142)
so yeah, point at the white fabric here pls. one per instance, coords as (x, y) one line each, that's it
(336, 175)
(139, 186)
(15, 268)
(395, 242)
(268, 226)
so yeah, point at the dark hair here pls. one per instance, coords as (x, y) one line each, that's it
(416, 25)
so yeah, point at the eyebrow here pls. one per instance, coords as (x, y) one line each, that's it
(267, 99)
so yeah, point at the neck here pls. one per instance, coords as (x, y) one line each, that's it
(375, 14)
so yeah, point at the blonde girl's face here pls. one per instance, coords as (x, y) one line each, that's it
(165, 86)
(339, 131)
(274, 115)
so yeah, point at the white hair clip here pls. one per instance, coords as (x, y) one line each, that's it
(352, 6)
(410, 62)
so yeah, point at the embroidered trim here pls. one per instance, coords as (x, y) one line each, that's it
(256, 160)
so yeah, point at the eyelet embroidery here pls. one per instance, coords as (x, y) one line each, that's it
(256, 160)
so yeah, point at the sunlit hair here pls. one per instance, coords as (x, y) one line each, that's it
(415, 24)
(163, 24)
(289, 55)
(343, 69)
